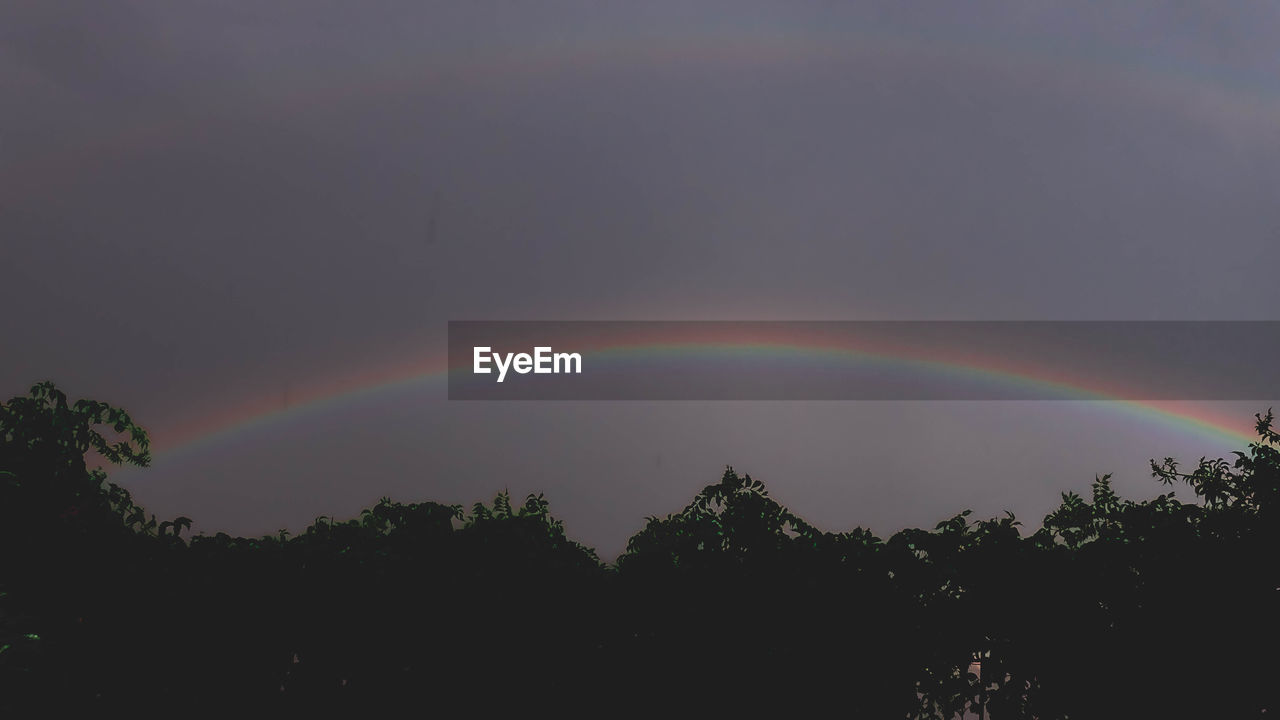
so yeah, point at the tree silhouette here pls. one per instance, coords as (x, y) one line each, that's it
(1111, 608)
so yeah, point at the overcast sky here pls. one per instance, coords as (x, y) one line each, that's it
(203, 204)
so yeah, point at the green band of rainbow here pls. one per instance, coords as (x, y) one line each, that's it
(1195, 418)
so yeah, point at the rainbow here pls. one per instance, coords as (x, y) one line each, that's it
(1180, 416)
(732, 43)
(1108, 74)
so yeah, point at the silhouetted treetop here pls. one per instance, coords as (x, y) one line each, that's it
(1111, 608)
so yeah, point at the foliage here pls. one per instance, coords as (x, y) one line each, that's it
(1111, 608)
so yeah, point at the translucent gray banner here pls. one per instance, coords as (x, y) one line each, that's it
(864, 360)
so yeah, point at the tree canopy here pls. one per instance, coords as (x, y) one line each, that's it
(1112, 607)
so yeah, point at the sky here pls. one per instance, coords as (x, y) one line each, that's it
(214, 212)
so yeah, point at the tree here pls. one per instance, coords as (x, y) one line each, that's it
(1113, 608)
(59, 520)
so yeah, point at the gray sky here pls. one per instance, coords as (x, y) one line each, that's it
(204, 204)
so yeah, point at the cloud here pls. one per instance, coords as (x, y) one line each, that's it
(206, 203)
